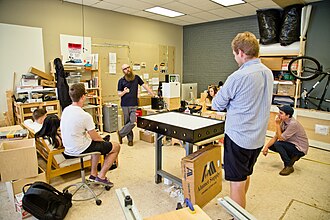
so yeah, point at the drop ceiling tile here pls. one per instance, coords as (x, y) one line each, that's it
(158, 2)
(86, 2)
(191, 19)
(225, 12)
(265, 4)
(115, 2)
(126, 10)
(180, 7)
(206, 16)
(134, 4)
(255, 1)
(181, 23)
(244, 9)
(202, 5)
(106, 5)
(143, 14)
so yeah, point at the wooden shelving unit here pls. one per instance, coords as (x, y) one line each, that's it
(92, 80)
(284, 87)
(24, 111)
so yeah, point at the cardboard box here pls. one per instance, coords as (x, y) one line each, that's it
(15, 187)
(144, 100)
(41, 74)
(202, 175)
(286, 89)
(147, 136)
(18, 159)
(172, 103)
(285, 65)
(273, 63)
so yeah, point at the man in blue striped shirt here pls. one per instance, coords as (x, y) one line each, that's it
(247, 96)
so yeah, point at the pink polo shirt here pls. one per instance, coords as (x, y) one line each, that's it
(293, 132)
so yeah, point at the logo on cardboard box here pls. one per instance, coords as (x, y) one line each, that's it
(210, 176)
(189, 172)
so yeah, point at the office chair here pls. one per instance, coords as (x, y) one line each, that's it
(85, 183)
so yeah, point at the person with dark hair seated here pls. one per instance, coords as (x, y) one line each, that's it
(49, 131)
(290, 139)
(211, 92)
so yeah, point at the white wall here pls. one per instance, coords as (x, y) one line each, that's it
(20, 48)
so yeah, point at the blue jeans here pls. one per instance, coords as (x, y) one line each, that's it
(287, 151)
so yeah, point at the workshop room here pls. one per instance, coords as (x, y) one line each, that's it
(165, 109)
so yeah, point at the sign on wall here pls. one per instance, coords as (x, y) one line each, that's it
(75, 49)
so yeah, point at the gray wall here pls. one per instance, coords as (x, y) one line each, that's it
(207, 54)
(318, 45)
(208, 58)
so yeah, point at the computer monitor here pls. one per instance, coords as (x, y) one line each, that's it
(189, 91)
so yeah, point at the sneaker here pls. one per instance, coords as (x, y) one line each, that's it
(104, 181)
(120, 139)
(130, 143)
(92, 178)
(286, 171)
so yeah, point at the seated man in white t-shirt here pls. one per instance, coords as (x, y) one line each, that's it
(38, 116)
(79, 135)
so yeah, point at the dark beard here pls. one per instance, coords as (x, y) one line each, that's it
(130, 77)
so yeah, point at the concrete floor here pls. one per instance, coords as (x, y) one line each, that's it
(305, 194)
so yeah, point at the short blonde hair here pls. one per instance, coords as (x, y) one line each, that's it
(246, 42)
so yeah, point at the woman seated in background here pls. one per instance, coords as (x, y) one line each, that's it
(212, 91)
(50, 132)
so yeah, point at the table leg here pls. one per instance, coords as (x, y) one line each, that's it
(158, 157)
(188, 148)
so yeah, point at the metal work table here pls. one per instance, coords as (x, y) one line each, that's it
(189, 128)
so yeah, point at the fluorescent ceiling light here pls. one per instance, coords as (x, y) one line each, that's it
(228, 2)
(164, 11)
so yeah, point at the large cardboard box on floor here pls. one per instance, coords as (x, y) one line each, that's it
(18, 159)
(147, 136)
(15, 187)
(201, 180)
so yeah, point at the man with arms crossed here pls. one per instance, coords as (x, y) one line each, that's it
(79, 135)
(128, 92)
(247, 96)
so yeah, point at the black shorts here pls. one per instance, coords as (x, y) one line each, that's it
(104, 147)
(238, 162)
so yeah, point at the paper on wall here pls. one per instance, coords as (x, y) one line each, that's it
(145, 76)
(155, 81)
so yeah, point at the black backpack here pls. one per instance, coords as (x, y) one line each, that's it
(45, 202)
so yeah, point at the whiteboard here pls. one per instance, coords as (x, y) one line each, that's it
(20, 48)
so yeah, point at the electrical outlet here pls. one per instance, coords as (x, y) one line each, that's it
(322, 129)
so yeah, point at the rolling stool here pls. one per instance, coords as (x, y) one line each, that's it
(85, 184)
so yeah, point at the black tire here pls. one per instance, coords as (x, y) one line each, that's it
(310, 68)
(107, 188)
(98, 202)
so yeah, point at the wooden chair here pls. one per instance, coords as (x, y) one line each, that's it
(56, 163)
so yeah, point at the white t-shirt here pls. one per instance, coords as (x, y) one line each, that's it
(75, 123)
(35, 126)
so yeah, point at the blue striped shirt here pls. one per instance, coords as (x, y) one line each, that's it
(247, 96)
